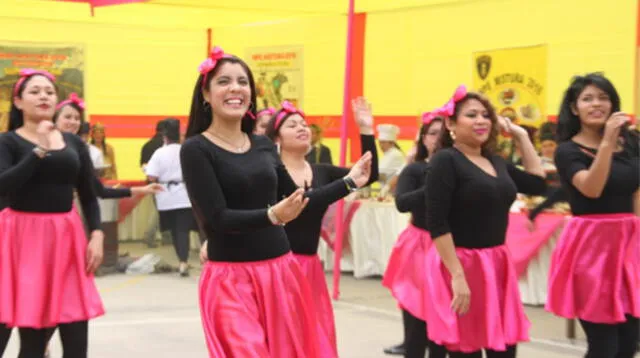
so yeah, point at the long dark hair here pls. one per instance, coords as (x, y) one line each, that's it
(16, 117)
(422, 152)
(489, 147)
(72, 105)
(568, 122)
(201, 115)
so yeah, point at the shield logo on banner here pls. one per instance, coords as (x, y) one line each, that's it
(483, 65)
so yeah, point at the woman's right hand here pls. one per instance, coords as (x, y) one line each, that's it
(290, 207)
(612, 128)
(461, 294)
(361, 171)
(204, 256)
(44, 130)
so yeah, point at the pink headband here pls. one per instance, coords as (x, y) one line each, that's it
(27, 73)
(287, 109)
(270, 111)
(428, 117)
(450, 107)
(73, 98)
(210, 63)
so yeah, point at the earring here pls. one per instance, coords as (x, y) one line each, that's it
(452, 134)
(206, 105)
(278, 148)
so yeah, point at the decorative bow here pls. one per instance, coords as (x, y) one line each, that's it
(73, 98)
(27, 73)
(449, 108)
(270, 111)
(210, 63)
(287, 109)
(428, 117)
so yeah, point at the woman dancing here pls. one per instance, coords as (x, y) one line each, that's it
(288, 129)
(241, 195)
(46, 263)
(595, 267)
(405, 275)
(473, 302)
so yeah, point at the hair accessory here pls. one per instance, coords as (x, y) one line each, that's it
(270, 111)
(73, 98)
(27, 73)
(287, 109)
(449, 108)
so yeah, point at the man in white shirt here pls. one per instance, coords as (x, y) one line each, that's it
(97, 158)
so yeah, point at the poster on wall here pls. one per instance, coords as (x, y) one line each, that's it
(515, 80)
(65, 61)
(278, 73)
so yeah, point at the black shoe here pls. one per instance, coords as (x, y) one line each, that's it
(397, 350)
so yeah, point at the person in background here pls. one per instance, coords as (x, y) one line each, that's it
(393, 160)
(96, 155)
(173, 203)
(262, 120)
(152, 144)
(319, 153)
(595, 267)
(98, 139)
(405, 275)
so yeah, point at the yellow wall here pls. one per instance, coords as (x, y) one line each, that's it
(415, 59)
(324, 44)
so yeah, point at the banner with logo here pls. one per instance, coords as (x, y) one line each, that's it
(515, 80)
(65, 61)
(278, 72)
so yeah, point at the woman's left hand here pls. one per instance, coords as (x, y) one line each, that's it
(361, 171)
(95, 251)
(515, 130)
(363, 115)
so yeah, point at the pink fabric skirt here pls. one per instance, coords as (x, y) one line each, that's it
(595, 269)
(258, 309)
(405, 275)
(496, 317)
(43, 279)
(313, 271)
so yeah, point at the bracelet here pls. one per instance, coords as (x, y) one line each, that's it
(351, 185)
(273, 217)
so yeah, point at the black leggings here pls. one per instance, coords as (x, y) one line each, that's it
(179, 222)
(5, 334)
(74, 337)
(509, 353)
(612, 340)
(415, 338)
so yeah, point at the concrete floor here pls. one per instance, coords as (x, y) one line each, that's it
(157, 316)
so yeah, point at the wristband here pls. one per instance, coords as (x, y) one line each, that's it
(351, 185)
(273, 217)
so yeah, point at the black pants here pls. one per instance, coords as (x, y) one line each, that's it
(415, 338)
(74, 337)
(509, 353)
(5, 334)
(179, 222)
(612, 340)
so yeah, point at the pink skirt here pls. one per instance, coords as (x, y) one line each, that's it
(595, 269)
(405, 275)
(258, 309)
(496, 317)
(313, 271)
(43, 279)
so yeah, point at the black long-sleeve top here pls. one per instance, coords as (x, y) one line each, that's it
(556, 195)
(109, 193)
(469, 203)
(304, 231)
(622, 183)
(230, 194)
(32, 184)
(410, 193)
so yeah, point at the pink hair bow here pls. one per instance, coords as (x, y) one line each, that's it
(287, 109)
(270, 111)
(210, 63)
(449, 108)
(428, 117)
(28, 72)
(73, 98)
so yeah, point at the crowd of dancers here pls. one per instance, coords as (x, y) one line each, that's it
(260, 205)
